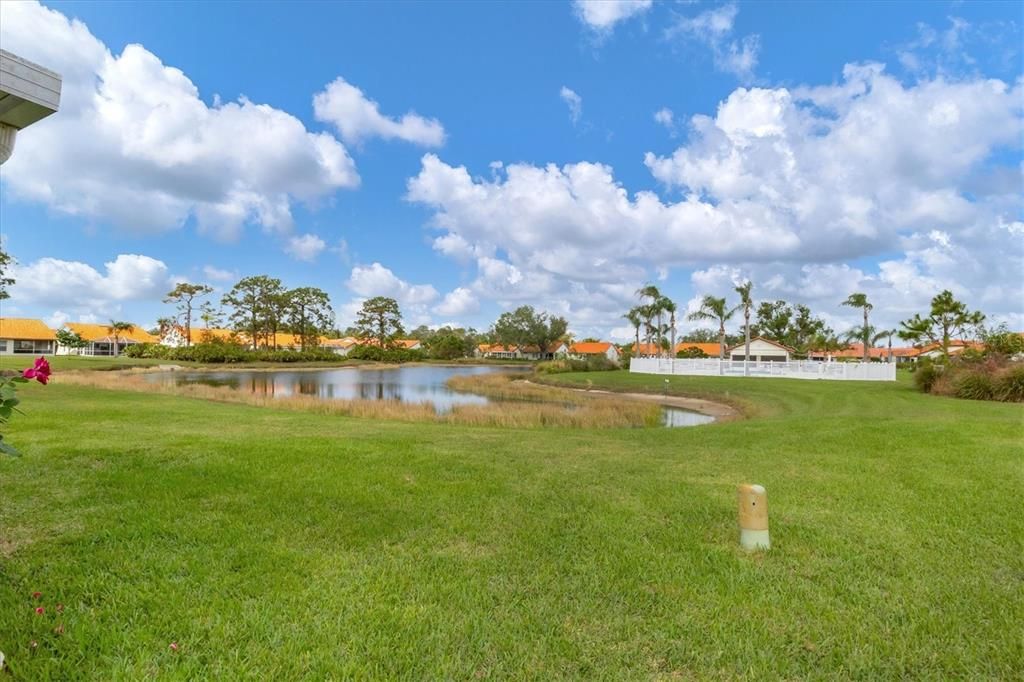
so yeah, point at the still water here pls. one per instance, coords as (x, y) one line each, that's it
(408, 384)
(414, 384)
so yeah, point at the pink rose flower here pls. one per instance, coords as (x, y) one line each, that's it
(39, 610)
(40, 371)
(174, 646)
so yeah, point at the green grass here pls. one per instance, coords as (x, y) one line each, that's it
(286, 545)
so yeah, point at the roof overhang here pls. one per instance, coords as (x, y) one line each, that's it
(28, 92)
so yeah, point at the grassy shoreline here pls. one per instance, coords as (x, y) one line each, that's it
(278, 544)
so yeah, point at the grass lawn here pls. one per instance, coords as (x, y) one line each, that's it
(283, 545)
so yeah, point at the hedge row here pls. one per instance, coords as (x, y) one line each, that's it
(596, 363)
(988, 380)
(227, 353)
(386, 354)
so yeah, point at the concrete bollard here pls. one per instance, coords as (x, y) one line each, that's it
(753, 515)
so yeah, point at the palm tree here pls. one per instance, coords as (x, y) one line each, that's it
(164, 325)
(746, 303)
(884, 334)
(653, 308)
(669, 306)
(714, 309)
(826, 341)
(115, 328)
(859, 300)
(635, 319)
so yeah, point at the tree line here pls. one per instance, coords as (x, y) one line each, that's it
(794, 325)
(260, 307)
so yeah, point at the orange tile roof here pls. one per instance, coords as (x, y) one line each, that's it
(25, 329)
(100, 332)
(591, 348)
(710, 349)
(645, 349)
(404, 343)
(496, 348)
(346, 342)
(214, 333)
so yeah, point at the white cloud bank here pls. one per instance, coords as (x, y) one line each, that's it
(88, 293)
(135, 145)
(776, 179)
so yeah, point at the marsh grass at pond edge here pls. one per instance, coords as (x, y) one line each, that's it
(559, 408)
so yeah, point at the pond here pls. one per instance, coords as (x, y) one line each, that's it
(411, 384)
(408, 384)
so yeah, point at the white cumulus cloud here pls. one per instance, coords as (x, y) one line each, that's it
(305, 247)
(459, 301)
(136, 146)
(358, 118)
(776, 180)
(81, 292)
(377, 280)
(602, 15)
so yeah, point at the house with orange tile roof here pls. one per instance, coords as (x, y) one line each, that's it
(956, 346)
(644, 350)
(711, 350)
(855, 351)
(497, 351)
(339, 346)
(101, 340)
(21, 335)
(588, 349)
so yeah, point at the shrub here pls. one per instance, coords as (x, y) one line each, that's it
(592, 363)
(691, 353)
(1004, 343)
(146, 350)
(386, 354)
(973, 385)
(1009, 385)
(926, 375)
(216, 352)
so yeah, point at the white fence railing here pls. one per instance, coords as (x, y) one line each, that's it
(801, 369)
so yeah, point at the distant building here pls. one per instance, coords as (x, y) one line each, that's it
(339, 346)
(496, 351)
(761, 350)
(19, 335)
(589, 349)
(100, 340)
(712, 350)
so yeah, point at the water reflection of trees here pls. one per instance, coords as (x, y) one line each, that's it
(414, 385)
(379, 390)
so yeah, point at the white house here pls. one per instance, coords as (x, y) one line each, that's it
(101, 340)
(498, 352)
(588, 349)
(340, 346)
(19, 335)
(761, 350)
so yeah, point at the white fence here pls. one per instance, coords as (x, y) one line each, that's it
(804, 369)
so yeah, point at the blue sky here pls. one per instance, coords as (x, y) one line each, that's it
(477, 156)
